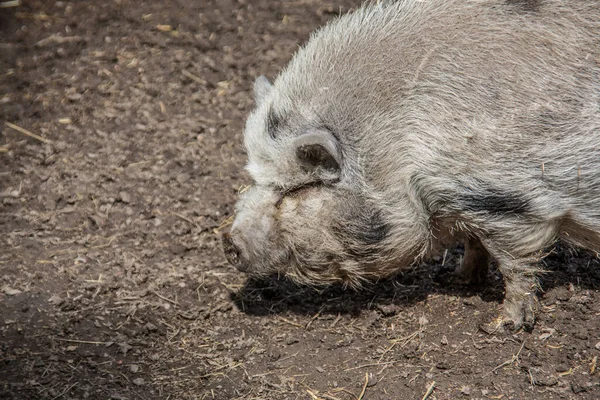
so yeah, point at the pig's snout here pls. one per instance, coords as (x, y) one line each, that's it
(234, 253)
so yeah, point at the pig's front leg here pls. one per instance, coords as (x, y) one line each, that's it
(520, 287)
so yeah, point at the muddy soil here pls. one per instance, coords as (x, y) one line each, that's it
(112, 280)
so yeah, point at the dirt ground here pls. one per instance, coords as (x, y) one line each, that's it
(112, 280)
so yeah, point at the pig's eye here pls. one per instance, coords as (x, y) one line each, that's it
(295, 191)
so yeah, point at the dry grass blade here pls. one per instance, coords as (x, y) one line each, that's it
(364, 388)
(287, 321)
(312, 395)
(55, 39)
(329, 397)
(81, 341)
(224, 224)
(405, 340)
(429, 391)
(194, 77)
(7, 4)
(27, 133)
(3, 149)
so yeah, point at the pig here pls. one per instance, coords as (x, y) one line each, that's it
(409, 126)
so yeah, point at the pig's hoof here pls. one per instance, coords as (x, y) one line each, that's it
(522, 313)
(529, 311)
(517, 316)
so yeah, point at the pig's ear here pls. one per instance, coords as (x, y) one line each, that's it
(262, 87)
(318, 151)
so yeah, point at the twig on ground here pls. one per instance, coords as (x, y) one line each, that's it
(290, 322)
(65, 391)
(26, 132)
(377, 364)
(314, 317)
(406, 340)
(186, 219)
(164, 298)
(288, 357)
(513, 359)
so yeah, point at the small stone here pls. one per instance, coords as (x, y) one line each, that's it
(388, 310)
(581, 334)
(56, 300)
(465, 390)
(139, 381)
(11, 291)
(577, 388)
(154, 357)
(125, 347)
(73, 96)
(151, 327)
(546, 380)
(372, 380)
(469, 301)
(134, 368)
(444, 340)
(125, 197)
(320, 369)
(562, 368)
(597, 346)
(291, 340)
(442, 365)
(182, 178)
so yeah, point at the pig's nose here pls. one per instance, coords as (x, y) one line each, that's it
(233, 253)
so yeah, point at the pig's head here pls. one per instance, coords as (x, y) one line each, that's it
(314, 234)
(309, 215)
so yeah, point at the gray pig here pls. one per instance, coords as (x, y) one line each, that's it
(411, 125)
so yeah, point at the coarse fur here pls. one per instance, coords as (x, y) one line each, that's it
(408, 125)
